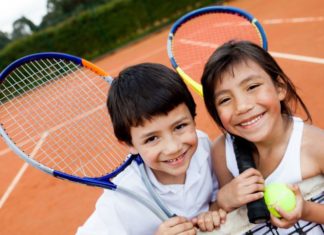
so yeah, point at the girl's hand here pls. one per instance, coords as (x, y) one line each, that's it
(176, 225)
(290, 218)
(245, 188)
(210, 220)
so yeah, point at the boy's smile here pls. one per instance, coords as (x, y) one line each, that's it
(167, 144)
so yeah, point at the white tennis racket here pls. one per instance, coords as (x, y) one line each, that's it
(53, 115)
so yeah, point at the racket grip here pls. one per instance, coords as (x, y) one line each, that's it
(257, 210)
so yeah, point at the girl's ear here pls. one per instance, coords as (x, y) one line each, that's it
(131, 148)
(282, 91)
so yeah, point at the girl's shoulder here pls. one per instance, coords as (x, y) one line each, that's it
(218, 145)
(313, 146)
(313, 134)
(220, 166)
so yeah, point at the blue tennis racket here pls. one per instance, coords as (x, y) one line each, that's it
(195, 36)
(53, 115)
(192, 40)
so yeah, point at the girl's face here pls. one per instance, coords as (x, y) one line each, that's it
(248, 102)
(167, 144)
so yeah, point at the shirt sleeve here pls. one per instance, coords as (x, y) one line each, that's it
(206, 143)
(104, 220)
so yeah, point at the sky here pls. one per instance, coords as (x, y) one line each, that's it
(11, 10)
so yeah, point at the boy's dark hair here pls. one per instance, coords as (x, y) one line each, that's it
(233, 53)
(143, 91)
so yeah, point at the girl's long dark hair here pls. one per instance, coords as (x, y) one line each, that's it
(235, 52)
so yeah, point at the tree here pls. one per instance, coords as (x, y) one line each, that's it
(4, 39)
(22, 27)
(59, 10)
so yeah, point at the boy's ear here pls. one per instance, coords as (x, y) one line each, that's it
(131, 148)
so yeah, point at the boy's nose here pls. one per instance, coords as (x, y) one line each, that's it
(172, 145)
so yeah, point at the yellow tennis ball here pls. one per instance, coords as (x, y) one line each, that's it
(279, 195)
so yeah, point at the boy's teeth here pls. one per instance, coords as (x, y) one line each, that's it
(252, 121)
(173, 160)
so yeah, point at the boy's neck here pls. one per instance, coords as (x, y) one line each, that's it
(166, 179)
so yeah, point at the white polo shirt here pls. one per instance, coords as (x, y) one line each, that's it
(117, 214)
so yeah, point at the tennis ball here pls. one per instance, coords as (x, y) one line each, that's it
(279, 195)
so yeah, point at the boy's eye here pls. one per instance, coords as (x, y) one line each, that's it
(150, 139)
(181, 126)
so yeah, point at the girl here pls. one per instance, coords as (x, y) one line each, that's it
(248, 95)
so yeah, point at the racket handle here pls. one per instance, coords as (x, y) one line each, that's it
(257, 210)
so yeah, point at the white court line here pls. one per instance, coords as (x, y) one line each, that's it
(302, 58)
(4, 151)
(20, 173)
(13, 184)
(35, 150)
(293, 20)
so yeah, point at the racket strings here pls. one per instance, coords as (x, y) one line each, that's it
(196, 39)
(62, 105)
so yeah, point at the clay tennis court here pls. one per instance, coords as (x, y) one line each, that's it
(34, 203)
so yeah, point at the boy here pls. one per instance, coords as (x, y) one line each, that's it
(153, 112)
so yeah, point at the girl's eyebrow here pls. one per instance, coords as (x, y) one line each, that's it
(244, 81)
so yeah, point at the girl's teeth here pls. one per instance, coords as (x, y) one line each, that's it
(252, 121)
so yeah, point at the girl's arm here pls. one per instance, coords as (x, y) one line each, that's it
(234, 192)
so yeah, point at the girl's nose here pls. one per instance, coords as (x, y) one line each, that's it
(243, 105)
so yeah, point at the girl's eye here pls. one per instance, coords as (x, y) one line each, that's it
(253, 86)
(223, 100)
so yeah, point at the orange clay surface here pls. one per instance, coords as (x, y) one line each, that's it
(41, 204)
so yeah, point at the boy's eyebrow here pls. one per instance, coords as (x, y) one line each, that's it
(176, 122)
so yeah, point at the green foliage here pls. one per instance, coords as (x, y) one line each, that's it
(60, 10)
(22, 27)
(101, 29)
(4, 39)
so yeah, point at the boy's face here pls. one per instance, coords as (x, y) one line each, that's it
(248, 102)
(166, 144)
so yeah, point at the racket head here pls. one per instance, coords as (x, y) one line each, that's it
(53, 115)
(195, 36)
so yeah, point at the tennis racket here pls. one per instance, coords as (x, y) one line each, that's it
(53, 115)
(195, 36)
(256, 210)
(192, 40)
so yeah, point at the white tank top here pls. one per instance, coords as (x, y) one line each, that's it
(291, 157)
(291, 161)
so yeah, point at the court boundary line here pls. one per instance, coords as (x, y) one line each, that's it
(20, 173)
(309, 19)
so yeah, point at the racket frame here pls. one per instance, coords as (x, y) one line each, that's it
(104, 181)
(205, 10)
